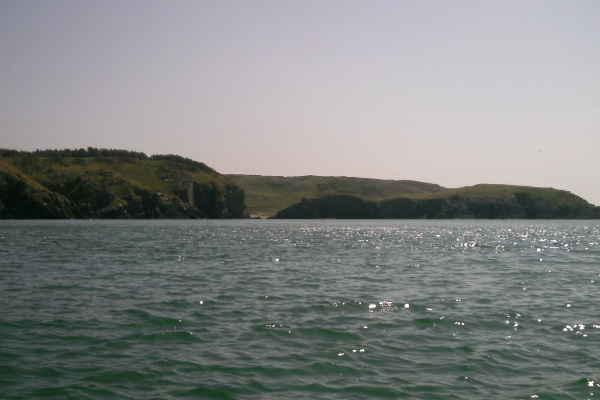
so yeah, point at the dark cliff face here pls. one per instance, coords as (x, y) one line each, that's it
(215, 200)
(22, 199)
(340, 207)
(519, 205)
(19, 201)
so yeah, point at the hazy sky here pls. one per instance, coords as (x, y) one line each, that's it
(448, 92)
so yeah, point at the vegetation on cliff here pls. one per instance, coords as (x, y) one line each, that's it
(266, 195)
(105, 183)
(480, 201)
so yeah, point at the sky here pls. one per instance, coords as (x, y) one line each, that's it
(449, 92)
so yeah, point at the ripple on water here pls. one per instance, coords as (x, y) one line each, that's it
(323, 309)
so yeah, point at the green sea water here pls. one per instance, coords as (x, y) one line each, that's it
(249, 309)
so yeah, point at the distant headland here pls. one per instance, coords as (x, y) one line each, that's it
(121, 184)
(362, 198)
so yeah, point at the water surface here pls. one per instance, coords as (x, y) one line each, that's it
(300, 309)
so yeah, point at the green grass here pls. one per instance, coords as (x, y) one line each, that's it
(266, 195)
(498, 191)
(144, 174)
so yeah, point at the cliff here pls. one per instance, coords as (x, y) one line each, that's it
(476, 202)
(21, 197)
(100, 183)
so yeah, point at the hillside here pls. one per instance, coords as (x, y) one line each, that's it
(101, 183)
(266, 195)
(480, 201)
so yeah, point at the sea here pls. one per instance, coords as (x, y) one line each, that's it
(302, 309)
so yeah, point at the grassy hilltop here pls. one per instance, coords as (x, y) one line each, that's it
(266, 195)
(102, 183)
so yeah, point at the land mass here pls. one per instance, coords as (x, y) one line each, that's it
(104, 183)
(344, 198)
(477, 202)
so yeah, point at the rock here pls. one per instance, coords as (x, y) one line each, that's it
(21, 198)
